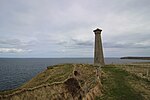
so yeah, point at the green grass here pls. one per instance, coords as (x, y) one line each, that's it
(66, 70)
(116, 86)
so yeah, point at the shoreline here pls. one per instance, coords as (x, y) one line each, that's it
(139, 58)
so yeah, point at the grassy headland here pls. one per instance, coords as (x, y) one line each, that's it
(84, 81)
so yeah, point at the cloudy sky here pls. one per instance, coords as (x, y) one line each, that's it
(64, 28)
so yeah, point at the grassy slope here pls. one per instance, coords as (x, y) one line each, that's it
(116, 85)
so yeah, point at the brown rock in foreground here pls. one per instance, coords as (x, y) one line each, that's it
(60, 82)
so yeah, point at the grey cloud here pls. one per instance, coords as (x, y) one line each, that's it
(15, 43)
(136, 6)
(15, 46)
(86, 43)
(126, 45)
(13, 50)
(10, 41)
(129, 40)
(62, 42)
(75, 43)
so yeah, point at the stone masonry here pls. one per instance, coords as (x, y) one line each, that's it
(98, 52)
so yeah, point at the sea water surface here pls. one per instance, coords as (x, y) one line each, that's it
(16, 71)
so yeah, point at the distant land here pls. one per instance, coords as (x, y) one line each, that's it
(142, 58)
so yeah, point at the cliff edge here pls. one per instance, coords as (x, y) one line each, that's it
(60, 82)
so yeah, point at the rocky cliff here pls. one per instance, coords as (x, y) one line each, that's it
(60, 82)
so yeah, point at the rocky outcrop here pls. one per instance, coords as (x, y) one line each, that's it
(81, 83)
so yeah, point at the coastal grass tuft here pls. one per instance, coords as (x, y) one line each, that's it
(56, 73)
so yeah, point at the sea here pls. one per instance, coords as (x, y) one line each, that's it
(16, 71)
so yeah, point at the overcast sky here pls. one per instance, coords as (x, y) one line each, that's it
(64, 28)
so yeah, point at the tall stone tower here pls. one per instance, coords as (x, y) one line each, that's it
(98, 52)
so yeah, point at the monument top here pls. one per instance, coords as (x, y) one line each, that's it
(97, 30)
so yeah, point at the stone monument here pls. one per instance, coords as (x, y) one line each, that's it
(98, 52)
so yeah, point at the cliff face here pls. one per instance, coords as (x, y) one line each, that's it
(60, 82)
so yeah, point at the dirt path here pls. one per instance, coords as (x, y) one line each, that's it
(117, 87)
